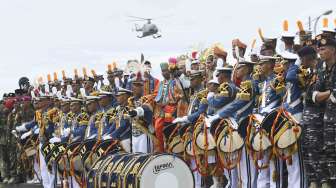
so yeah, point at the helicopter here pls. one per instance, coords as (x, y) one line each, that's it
(148, 29)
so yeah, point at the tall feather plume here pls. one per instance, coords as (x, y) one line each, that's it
(55, 76)
(84, 72)
(76, 73)
(261, 34)
(300, 26)
(253, 44)
(325, 22)
(109, 68)
(49, 77)
(63, 75)
(285, 25)
(93, 73)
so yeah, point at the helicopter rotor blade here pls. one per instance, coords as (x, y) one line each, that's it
(139, 18)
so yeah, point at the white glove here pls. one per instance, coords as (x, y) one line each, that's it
(36, 131)
(183, 119)
(140, 112)
(21, 128)
(107, 137)
(14, 133)
(54, 140)
(210, 119)
(210, 94)
(66, 132)
(25, 135)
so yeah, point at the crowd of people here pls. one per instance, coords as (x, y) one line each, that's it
(265, 120)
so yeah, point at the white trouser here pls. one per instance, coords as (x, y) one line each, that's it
(37, 171)
(248, 171)
(263, 179)
(48, 179)
(296, 176)
(142, 144)
(276, 168)
(197, 175)
(232, 178)
(72, 182)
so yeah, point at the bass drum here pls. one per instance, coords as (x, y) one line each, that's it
(165, 171)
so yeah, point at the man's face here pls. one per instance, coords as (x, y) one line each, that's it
(165, 74)
(326, 52)
(65, 107)
(122, 99)
(241, 71)
(88, 85)
(308, 61)
(195, 66)
(92, 106)
(75, 87)
(104, 101)
(266, 68)
(137, 89)
(195, 82)
(110, 78)
(213, 87)
(222, 77)
(75, 107)
(267, 52)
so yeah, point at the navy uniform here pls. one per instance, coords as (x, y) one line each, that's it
(312, 119)
(326, 82)
(94, 121)
(294, 105)
(272, 92)
(239, 108)
(120, 123)
(197, 106)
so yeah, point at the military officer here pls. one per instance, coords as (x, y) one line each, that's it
(312, 118)
(325, 93)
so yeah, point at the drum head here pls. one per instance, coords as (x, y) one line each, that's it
(166, 171)
(231, 143)
(176, 145)
(260, 142)
(268, 121)
(201, 142)
(289, 137)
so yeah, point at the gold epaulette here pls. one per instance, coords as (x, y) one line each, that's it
(52, 114)
(256, 73)
(202, 94)
(303, 75)
(111, 115)
(83, 118)
(278, 83)
(130, 102)
(224, 89)
(245, 91)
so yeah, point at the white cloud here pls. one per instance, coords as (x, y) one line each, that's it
(42, 36)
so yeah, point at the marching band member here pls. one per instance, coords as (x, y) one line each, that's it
(120, 127)
(142, 117)
(294, 105)
(239, 108)
(197, 107)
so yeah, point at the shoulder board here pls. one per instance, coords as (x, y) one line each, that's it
(245, 90)
(224, 89)
(202, 94)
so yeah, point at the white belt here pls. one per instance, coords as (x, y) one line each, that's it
(295, 103)
(270, 107)
(244, 108)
